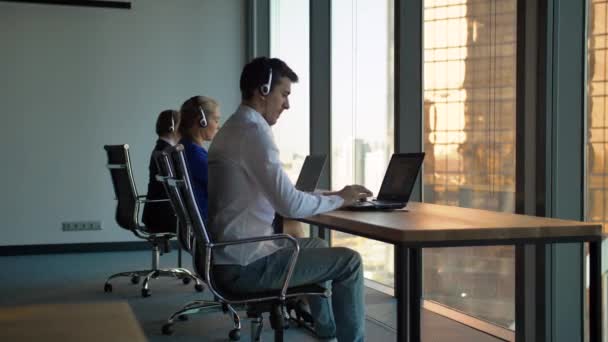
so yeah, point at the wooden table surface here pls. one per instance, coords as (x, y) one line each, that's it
(425, 225)
(90, 322)
(430, 223)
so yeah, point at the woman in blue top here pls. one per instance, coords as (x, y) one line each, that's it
(200, 121)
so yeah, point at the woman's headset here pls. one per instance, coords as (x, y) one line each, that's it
(193, 104)
(203, 120)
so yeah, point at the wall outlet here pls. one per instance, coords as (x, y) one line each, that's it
(80, 225)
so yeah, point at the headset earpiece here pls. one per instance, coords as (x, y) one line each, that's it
(203, 120)
(265, 88)
(172, 128)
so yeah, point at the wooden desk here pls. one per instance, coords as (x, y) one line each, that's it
(91, 322)
(426, 225)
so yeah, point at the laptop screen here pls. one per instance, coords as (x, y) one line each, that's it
(400, 177)
(311, 172)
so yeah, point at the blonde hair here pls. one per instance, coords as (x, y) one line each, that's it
(191, 112)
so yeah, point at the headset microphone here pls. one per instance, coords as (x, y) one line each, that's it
(265, 88)
(203, 120)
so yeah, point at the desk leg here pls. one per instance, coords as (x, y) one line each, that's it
(408, 291)
(531, 293)
(520, 293)
(401, 278)
(595, 291)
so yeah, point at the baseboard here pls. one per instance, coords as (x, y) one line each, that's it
(77, 248)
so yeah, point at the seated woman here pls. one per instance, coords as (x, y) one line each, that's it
(159, 216)
(200, 122)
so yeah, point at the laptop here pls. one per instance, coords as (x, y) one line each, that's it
(396, 188)
(311, 172)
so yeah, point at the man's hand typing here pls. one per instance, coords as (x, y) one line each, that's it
(353, 193)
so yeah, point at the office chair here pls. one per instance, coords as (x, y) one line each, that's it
(256, 303)
(186, 240)
(127, 217)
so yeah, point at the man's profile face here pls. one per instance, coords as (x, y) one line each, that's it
(278, 100)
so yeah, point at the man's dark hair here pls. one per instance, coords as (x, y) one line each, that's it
(167, 122)
(256, 72)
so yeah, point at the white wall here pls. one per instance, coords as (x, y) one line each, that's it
(73, 79)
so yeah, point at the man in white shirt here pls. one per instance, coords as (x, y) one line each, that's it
(248, 185)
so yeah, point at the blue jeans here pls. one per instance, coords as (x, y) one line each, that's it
(342, 315)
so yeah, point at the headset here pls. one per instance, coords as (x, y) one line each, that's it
(203, 120)
(265, 88)
(172, 128)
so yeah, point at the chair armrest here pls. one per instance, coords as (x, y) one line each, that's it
(257, 239)
(154, 201)
(142, 199)
(292, 259)
(141, 231)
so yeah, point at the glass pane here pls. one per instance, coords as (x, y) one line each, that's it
(289, 41)
(362, 112)
(597, 116)
(469, 140)
(597, 121)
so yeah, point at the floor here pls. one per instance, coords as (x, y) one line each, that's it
(80, 277)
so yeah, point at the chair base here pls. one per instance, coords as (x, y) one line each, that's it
(254, 312)
(298, 313)
(179, 273)
(200, 307)
(281, 313)
(276, 318)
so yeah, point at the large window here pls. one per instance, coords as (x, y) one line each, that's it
(597, 114)
(362, 112)
(597, 117)
(469, 140)
(289, 41)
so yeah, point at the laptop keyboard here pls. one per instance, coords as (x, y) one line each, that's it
(383, 202)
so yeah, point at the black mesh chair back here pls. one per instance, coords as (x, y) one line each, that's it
(176, 157)
(125, 191)
(166, 171)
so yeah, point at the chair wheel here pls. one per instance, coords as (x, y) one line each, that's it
(234, 335)
(135, 279)
(182, 318)
(145, 292)
(167, 329)
(107, 287)
(186, 280)
(199, 287)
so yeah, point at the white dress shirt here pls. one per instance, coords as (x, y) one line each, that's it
(247, 185)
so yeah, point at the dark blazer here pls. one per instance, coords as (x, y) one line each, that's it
(158, 217)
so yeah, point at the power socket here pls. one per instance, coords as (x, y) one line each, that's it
(74, 226)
